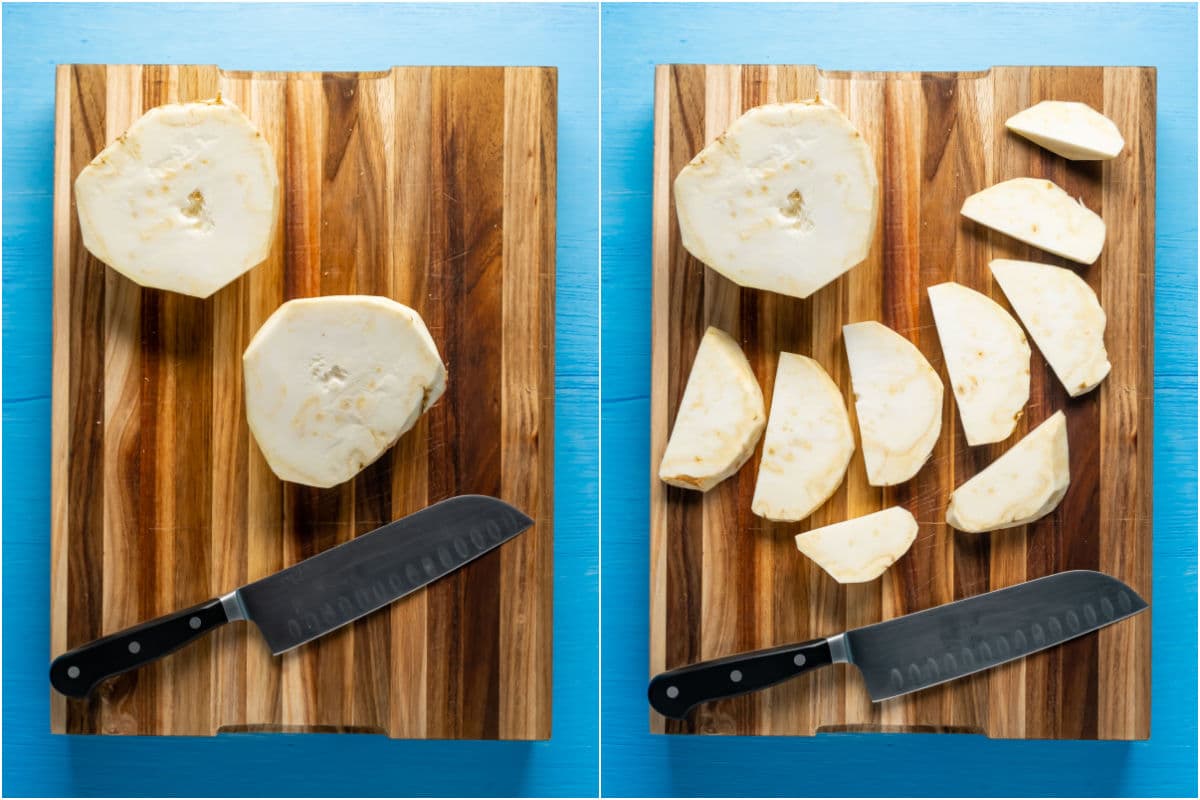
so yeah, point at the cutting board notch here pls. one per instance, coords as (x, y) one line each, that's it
(432, 185)
(723, 580)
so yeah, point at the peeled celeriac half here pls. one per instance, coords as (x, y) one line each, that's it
(1063, 316)
(898, 400)
(1040, 213)
(1075, 131)
(786, 200)
(861, 549)
(186, 200)
(987, 357)
(1021, 486)
(333, 382)
(720, 418)
(808, 443)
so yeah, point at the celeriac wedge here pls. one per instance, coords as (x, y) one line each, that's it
(1063, 316)
(786, 200)
(1075, 131)
(861, 549)
(720, 418)
(1021, 486)
(987, 357)
(333, 382)
(186, 200)
(1040, 213)
(808, 443)
(898, 400)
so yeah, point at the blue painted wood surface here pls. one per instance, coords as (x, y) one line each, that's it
(889, 37)
(300, 37)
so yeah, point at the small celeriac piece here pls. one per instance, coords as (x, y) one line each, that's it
(861, 549)
(987, 358)
(786, 200)
(808, 443)
(333, 382)
(1021, 486)
(186, 200)
(1063, 316)
(898, 400)
(1075, 131)
(720, 418)
(1040, 213)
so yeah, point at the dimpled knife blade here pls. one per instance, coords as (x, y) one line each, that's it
(314, 597)
(951, 641)
(920, 650)
(336, 587)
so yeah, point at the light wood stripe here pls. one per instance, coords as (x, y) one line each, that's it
(937, 137)
(379, 195)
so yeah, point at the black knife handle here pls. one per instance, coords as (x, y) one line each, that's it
(673, 694)
(76, 672)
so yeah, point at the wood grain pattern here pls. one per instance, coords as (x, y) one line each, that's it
(723, 580)
(431, 185)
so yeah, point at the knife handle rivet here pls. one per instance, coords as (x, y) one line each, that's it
(194, 623)
(799, 660)
(672, 691)
(135, 648)
(72, 672)
(736, 676)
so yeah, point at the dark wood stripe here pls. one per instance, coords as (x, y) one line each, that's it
(467, 258)
(85, 476)
(968, 700)
(1007, 556)
(1079, 514)
(311, 517)
(409, 278)
(928, 572)
(685, 288)
(372, 490)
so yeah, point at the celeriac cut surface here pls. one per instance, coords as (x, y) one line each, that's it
(897, 399)
(333, 382)
(1040, 213)
(1064, 317)
(987, 358)
(786, 200)
(186, 200)
(720, 417)
(1021, 486)
(860, 549)
(808, 443)
(1075, 131)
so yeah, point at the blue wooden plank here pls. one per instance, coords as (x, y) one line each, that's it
(889, 37)
(277, 37)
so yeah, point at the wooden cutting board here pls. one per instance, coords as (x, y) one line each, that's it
(435, 186)
(723, 580)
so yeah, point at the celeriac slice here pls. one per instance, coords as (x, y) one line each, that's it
(987, 357)
(1040, 213)
(186, 200)
(1063, 316)
(808, 443)
(720, 418)
(786, 200)
(898, 400)
(861, 549)
(1075, 131)
(333, 382)
(1021, 486)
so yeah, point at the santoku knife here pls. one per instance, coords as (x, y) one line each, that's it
(916, 651)
(315, 596)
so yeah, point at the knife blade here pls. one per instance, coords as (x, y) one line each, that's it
(917, 651)
(316, 596)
